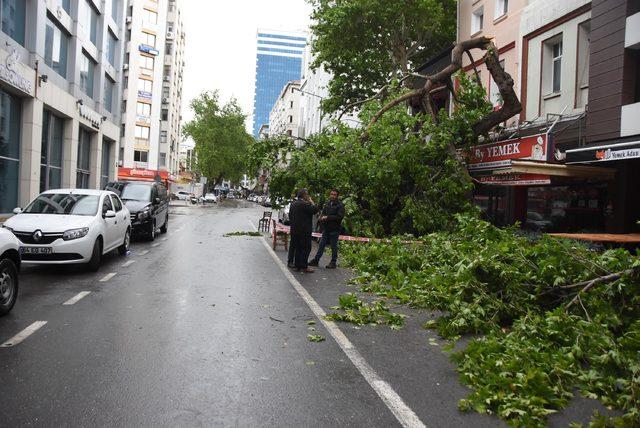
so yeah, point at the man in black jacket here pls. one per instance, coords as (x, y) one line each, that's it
(331, 220)
(301, 218)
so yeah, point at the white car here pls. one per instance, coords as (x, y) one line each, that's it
(9, 267)
(209, 198)
(68, 226)
(183, 196)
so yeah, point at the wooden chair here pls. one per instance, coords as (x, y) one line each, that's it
(280, 235)
(264, 224)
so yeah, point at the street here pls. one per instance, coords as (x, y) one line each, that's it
(197, 329)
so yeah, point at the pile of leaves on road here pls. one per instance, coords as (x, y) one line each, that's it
(549, 316)
(242, 233)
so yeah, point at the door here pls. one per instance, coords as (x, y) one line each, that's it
(163, 206)
(111, 225)
(121, 218)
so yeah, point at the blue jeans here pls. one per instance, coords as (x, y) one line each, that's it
(332, 239)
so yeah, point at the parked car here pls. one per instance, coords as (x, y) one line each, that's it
(283, 214)
(231, 195)
(209, 198)
(9, 268)
(67, 226)
(148, 205)
(265, 201)
(182, 196)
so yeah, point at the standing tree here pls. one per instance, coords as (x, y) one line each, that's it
(220, 137)
(368, 43)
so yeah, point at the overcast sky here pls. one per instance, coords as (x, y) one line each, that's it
(221, 44)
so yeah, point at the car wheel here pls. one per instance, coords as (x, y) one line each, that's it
(124, 248)
(8, 285)
(152, 231)
(165, 226)
(96, 256)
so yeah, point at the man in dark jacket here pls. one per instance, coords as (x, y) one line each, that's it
(301, 218)
(331, 220)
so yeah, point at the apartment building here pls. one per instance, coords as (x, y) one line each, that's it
(285, 114)
(171, 113)
(153, 69)
(60, 63)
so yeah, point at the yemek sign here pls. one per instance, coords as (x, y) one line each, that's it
(500, 154)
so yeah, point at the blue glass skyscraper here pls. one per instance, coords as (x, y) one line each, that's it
(279, 61)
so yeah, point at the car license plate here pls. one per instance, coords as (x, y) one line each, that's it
(36, 250)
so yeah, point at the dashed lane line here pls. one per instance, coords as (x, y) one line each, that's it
(75, 299)
(129, 263)
(387, 394)
(155, 245)
(108, 276)
(20, 337)
(143, 253)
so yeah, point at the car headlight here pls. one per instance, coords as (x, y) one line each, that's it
(72, 234)
(8, 228)
(144, 214)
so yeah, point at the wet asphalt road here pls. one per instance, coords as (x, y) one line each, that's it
(197, 329)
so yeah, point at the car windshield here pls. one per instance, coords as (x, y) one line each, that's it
(136, 192)
(64, 204)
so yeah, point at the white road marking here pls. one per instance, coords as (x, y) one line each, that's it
(163, 239)
(389, 396)
(76, 298)
(143, 253)
(129, 263)
(155, 245)
(108, 276)
(18, 338)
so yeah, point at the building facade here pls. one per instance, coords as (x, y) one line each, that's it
(153, 69)
(60, 74)
(285, 114)
(171, 113)
(278, 61)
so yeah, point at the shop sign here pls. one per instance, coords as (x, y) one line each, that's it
(145, 94)
(9, 74)
(148, 49)
(144, 119)
(515, 179)
(86, 113)
(500, 155)
(141, 173)
(613, 152)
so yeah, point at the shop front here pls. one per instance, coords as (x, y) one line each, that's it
(140, 174)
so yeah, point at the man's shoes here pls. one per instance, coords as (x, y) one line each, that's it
(290, 265)
(331, 265)
(313, 262)
(307, 270)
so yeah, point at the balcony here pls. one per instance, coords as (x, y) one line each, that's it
(629, 124)
(632, 32)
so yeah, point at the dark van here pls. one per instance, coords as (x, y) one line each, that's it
(148, 203)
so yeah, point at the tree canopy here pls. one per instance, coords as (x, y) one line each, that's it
(367, 43)
(221, 140)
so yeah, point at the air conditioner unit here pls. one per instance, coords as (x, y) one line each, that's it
(125, 67)
(166, 78)
(165, 100)
(129, 20)
(170, 35)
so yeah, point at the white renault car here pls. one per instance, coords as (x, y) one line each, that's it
(9, 267)
(67, 226)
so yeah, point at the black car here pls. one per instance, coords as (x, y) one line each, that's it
(148, 203)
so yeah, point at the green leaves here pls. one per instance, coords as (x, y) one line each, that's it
(360, 313)
(315, 338)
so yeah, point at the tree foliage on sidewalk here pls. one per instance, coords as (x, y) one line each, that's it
(367, 43)
(221, 141)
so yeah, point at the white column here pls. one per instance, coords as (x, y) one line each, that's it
(70, 152)
(30, 150)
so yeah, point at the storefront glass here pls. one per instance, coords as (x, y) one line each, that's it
(575, 208)
(13, 19)
(10, 111)
(51, 152)
(83, 172)
(492, 201)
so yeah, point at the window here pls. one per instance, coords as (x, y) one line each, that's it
(149, 39)
(140, 156)
(10, 113)
(66, 5)
(108, 93)
(556, 61)
(143, 109)
(114, 9)
(290, 119)
(163, 159)
(145, 85)
(163, 136)
(477, 20)
(13, 19)
(117, 203)
(142, 132)
(111, 48)
(165, 92)
(168, 48)
(165, 114)
(149, 16)
(86, 74)
(51, 152)
(502, 7)
(56, 45)
(291, 104)
(146, 62)
(106, 163)
(89, 20)
(83, 172)
(106, 204)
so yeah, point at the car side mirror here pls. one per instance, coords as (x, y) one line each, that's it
(17, 210)
(156, 201)
(109, 214)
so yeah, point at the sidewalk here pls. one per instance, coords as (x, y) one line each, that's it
(419, 371)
